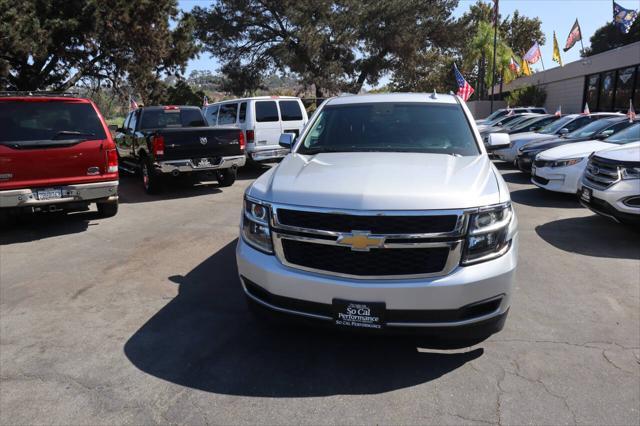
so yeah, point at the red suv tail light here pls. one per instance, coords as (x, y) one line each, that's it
(157, 143)
(250, 136)
(112, 161)
(241, 140)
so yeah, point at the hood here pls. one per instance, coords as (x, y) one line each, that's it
(572, 150)
(530, 136)
(627, 153)
(381, 181)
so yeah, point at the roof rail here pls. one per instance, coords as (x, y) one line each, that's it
(38, 93)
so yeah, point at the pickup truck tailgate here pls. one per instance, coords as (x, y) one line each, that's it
(200, 142)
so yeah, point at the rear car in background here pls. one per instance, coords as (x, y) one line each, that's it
(597, 130)
(56, 154)
(610, 185)
(162, 142)
(562, 126)
(560, 169)
(497, 114)
(262, 120)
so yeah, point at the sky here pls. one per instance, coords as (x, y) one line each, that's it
(556, 15)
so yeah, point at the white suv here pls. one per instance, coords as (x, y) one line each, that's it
(262, 119)
(388, 213)
(610, 185)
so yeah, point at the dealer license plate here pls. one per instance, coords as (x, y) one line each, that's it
(586, 195)
(358, 314)
(49, 194)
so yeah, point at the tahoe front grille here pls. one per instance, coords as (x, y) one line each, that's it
(379, 262)
(375, 224)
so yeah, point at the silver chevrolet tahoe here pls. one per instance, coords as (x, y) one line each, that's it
(387, 214)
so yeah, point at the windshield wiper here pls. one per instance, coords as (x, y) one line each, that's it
(71, 133)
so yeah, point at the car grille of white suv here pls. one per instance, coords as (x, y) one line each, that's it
(601, 174)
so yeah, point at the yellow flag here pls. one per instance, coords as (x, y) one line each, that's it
(556, 50)
(525, 68)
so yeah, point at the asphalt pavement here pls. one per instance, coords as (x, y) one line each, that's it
(140, 319)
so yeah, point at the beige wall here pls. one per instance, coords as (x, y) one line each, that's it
(481, 109)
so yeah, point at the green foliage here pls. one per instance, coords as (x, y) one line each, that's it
(334, 46)
(520, 32)
(609, 37)
(55, 44)
(527, 96)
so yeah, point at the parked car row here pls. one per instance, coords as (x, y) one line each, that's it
(596, 156)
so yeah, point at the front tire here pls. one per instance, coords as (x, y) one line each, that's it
(107, 209)
(150, 180)
(226, 177)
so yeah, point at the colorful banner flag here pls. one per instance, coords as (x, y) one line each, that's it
(574, 36)
(513, 66)
(623, 18)
(556, 50)
(534, 54)
(464, 89)
(526, 70)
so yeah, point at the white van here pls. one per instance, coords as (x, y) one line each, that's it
(263, 119)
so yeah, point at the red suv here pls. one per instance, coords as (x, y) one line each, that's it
(56, 154)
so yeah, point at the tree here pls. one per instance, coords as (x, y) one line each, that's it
(54, 44)
(609, 37)
(332, 45)
(520, 32)
(528, 95)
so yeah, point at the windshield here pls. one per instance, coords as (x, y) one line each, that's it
(532, 122)
(518, 121)
(161, 118)
(630, 134)
(589, 130)
(32, 121)
(496, 114)
(390, 127)
(552, 128)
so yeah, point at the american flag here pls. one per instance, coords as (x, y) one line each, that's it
(559, 111)
(205, 101)
(586, 109)
(132, 105)
(464, 89)
(632, 112)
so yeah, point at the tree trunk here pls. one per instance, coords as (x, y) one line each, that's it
(319, 96)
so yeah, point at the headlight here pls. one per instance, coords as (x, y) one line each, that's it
(255, 225)
(490, 234)
(565, 163)
(630, 172)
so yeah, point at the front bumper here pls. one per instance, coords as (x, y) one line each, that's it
(189, 165)
(524, 162)
(465, 286)
(558, 179)
(609, 202)
(28, 197)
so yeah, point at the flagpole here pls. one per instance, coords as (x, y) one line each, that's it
(495, 42)
(542, 61)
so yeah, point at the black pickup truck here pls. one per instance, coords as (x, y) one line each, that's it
(171, 141)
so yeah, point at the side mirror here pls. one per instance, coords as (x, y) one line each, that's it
(563, 131)
(286, 140)
(498, 141)
(604, 134)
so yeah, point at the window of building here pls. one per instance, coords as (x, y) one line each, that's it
(591, 95)
(624, 88)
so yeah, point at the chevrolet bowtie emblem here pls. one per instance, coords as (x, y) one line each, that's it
(360, 241)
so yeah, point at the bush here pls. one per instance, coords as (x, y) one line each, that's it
(527, 96)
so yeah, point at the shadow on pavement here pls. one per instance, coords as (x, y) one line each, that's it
(206, 339)
(31, 227)
(538, 197)
(517, 177)
(592, 236)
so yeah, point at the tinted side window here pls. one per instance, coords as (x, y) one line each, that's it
(243, 112)
(227, 114)
(266, 111)
(290, 111)
(125, 124)
(211, 115)
(577, 123)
